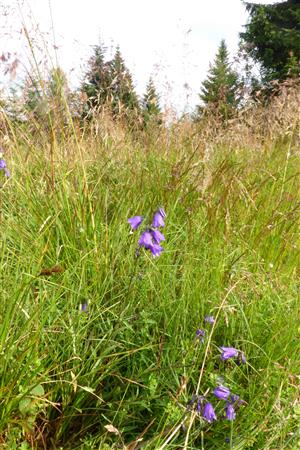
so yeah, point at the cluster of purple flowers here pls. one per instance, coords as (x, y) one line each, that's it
(207, 411)
(205, 407)
(3, 166)
(151, 238)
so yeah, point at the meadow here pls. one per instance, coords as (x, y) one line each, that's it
(104, 346)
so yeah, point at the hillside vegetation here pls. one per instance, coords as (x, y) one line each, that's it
(104, 346)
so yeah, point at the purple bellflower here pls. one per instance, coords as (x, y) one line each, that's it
(228, 352)
(156, 250)
(230, 412)
(222, 392)
(209, 319)
(135, 222)
(150, 238)
(4, 168)
(200, 402)
(158, 218)
(200, 335)
(146, 240)
(209, 413)
(157, 236)
(84, 307)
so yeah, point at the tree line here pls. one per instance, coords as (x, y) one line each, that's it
(270, 43)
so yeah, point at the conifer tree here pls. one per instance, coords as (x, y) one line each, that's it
(220, 90)
(97, 82)
(122, 93)
(272, 38)
(110, 83)
(150, 105)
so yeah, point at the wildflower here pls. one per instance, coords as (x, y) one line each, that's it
(157, 236)
(158, 219)
(146, 240)
(84, 307)
(200, 403)
(4, 167)
(228, 352)
(234, 398)
(135, 222)
(209, 319)
(156, 250)
(222, 392)
(209, 413)
(200, 334)
(230, 412)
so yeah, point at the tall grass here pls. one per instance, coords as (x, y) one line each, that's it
(123, 373)
(99, 347)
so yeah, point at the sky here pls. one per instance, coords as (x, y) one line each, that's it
(171, 40)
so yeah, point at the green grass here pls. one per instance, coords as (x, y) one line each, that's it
(133, 361)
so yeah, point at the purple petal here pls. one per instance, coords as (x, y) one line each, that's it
(234, 398)
(84, 307)
(156, 250)
(230, 412)
(146, 240)
(2, 164)
(158, 219)
(200, 334)
(222, 392)
(228, 352)
(200, 402)
(209, 319)
(157, 236)
(162, 212)
(135, 221)
(209, 413)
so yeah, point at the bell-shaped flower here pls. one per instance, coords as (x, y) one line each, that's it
(230, 412)
(200, 334)
(157, 236)
(228, 352)
(135, 222)
(222, 392)
(209, 413)
(209, 319)
(146, 240)
(3, 167)
(156, 250)
(158, 218)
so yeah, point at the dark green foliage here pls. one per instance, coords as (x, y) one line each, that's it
(151, 108)
(272, 38)
(123, 96)
(109, 83)
(220, 92)
(97, 79)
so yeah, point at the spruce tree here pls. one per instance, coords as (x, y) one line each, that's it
(109, 83)
(220, 90)
(272, 38)
(150, 105)
(122, 93)
(97, 82)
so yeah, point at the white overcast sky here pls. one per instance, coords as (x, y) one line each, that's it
(172, 40)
